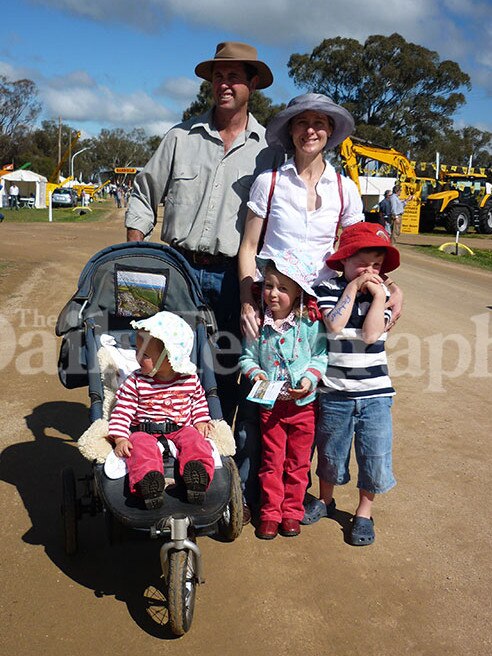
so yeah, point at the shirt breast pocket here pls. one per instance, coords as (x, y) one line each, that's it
(185, 185)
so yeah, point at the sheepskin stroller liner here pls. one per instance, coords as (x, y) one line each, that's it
(93, 312)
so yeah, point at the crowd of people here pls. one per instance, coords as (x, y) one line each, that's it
(257, 215)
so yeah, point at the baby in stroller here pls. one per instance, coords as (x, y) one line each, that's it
(163, 398)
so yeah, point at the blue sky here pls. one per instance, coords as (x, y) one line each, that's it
(130, 63)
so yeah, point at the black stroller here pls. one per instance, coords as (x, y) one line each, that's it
(123, 282)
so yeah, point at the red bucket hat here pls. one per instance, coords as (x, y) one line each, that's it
(364, 235)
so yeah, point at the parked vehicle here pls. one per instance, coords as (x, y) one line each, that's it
(64, 197)
(460, 202)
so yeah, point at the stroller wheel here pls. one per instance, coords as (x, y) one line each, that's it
(70, 511)
(181, 590)
(230, 524)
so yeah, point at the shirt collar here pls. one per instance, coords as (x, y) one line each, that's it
(287, 323)
(329, 174)
(205, 121)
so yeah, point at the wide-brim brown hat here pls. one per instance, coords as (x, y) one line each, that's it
(234, 51)
(278, 129)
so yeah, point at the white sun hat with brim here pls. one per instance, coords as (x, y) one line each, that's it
(278, 129)
(177, 337)
(299, 267)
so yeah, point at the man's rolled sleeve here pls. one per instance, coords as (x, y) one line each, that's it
(149, 188)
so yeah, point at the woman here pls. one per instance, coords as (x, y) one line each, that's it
(305, 202)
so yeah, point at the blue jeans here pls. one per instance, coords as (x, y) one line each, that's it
(368, 423)
(220, 287)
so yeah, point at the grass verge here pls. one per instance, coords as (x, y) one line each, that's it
(97, 212)
(482, 259)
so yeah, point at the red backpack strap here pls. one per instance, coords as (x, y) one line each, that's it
(269, 206)
(342, 206)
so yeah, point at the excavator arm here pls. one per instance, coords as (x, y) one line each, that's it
(351, 152)
(54, 177)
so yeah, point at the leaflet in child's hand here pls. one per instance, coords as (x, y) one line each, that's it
(265, 392)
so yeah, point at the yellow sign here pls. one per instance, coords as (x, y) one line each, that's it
(125, 170)
(411, 216)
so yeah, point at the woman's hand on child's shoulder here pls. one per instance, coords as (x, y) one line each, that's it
(203, 427)
(123, 447)
(250, 321)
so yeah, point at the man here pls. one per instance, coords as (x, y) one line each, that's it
(14, 196)
(397, 209)
(203, 169)
(385, 211)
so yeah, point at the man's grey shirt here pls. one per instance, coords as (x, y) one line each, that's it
(204, 189)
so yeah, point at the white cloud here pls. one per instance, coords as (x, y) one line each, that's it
(79, 99)
(101, 105)
(147, 15)
(183, 89)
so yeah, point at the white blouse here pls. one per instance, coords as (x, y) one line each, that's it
(291, 226)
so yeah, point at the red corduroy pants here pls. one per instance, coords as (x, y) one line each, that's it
(287, 440)
(146, 456)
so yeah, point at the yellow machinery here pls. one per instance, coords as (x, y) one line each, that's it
(352, 152)
(461, 201)
(55, 176)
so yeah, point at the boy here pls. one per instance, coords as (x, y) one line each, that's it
(356, 396)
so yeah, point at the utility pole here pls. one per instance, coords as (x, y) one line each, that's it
(59, 143)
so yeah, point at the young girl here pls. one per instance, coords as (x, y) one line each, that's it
(291, 347)
(164, 396)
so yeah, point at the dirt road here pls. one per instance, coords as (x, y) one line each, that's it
(422, 589)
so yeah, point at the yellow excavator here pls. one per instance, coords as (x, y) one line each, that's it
(352, 151)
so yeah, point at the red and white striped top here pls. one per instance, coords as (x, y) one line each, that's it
(142, 398)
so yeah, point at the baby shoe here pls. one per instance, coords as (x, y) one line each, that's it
(151, 488)
(196, 481)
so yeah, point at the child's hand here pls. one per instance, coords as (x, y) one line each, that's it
(362, 280)
(259, 377)
(203, 427)
(300, 391)
(375, 289)
(123, 447)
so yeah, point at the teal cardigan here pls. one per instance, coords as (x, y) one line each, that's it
(307, 358)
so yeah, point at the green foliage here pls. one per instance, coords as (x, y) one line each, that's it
(99, 211)
(456, 146)
(399, 93)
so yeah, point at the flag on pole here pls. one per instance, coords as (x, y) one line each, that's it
(8, 167)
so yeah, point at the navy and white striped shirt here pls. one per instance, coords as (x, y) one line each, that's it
(355, 369)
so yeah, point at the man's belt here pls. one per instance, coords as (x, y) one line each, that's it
(204, 259)
(154, 428)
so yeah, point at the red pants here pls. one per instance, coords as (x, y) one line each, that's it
(287, 439)
(146, 456)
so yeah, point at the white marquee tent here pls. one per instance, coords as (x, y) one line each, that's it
(28, 183)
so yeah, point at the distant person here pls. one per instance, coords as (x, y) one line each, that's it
(14, 196)
(356, 392)
(397, 209)
(385, 211)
